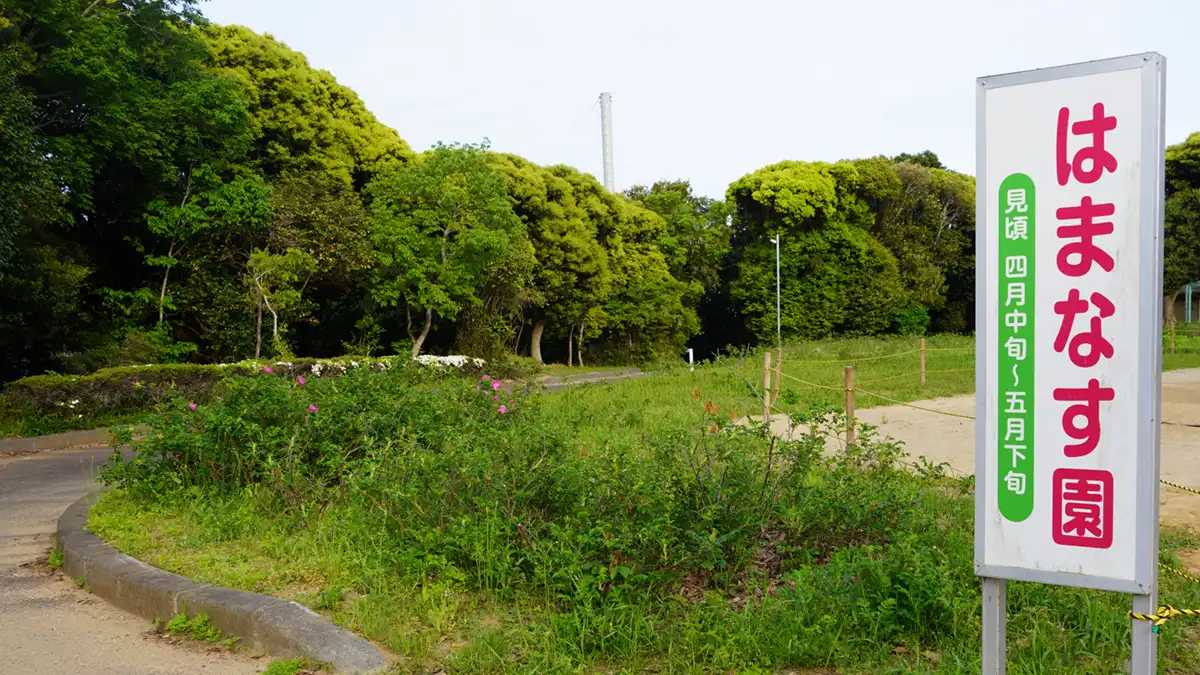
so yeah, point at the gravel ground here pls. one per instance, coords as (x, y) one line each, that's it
(47, 625)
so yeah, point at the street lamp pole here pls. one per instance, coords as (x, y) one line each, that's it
(778, 325)
(778, 315)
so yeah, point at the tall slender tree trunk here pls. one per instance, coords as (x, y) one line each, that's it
(517, 342)
(162, 292)
(579, 349)
(570, 346)
(274, 323)
(258, 330)
(424, 333)
(1169, 307)
(535, 340)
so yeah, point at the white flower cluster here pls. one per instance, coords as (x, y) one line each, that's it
(69, 404)
(454, 361)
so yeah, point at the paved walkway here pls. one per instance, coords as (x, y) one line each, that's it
(942, 438)
(554, 383)
(47, 625)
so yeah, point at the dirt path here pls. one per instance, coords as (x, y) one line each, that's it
(47, 625)
(941, 438)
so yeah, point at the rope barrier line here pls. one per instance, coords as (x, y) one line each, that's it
(916, 407)
(1179, 573)
(1177, 486)
(811, 384)
(949, 349)
(815, 360)
(892, 377)
(888, 356)
(1164, 614)
(854, 359)
(953, 370)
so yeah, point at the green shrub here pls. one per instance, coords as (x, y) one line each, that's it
(48, 403)
(301, 434)
(912, 319)
(460, 489)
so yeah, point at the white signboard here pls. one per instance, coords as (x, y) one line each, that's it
(1069, 292)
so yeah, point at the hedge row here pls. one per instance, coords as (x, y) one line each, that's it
(65, 401)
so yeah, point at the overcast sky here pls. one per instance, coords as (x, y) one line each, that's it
(710, 90)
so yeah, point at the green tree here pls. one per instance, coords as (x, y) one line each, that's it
(326, 218)
(242, 206)
(306, 121)
(696, 240)
(836, 277)
(928, 223)
(648, 313)
(100, 100)
(276, 281)
(925, 158)
(438, 224)
(571, 274)
(1181, 240)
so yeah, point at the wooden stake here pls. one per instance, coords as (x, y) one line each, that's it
(922, 362)
(767, 386)
(1171, 326)
(778, 377)
(849, 406)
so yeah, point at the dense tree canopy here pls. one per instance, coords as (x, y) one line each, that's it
(304, 121)
(172, 189)
(440, 224)
(1181, 244)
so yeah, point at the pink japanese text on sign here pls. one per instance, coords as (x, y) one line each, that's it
(1083, 500)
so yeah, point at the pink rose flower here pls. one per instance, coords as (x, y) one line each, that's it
(503, 410)
(300, 380)
(312, 408)
(495, 386)
(192, 406)
(485, 378)
(267, 369)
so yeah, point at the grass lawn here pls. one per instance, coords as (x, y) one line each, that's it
(577, 537)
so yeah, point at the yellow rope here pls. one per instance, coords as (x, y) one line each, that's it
(915, 407)
(814, 360)
(892, 377)
(955, 370)
(1164, 614)
(1177, 486)
(811, 384)
(888, 356)
(854, 359)
(1179, 573)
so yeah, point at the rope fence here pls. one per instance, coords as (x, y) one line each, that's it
(850, 361)
(908, 374)
(914, 407)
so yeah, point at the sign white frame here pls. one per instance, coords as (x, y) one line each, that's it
(1150, 298)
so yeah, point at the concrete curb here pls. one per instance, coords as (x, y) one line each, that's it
(271, 625)
(55, 441)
